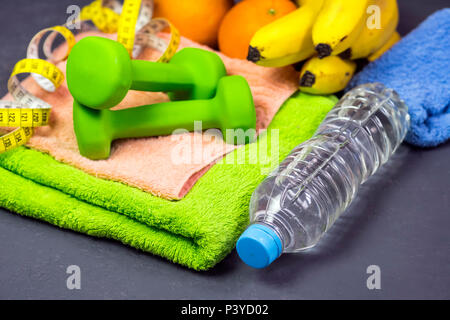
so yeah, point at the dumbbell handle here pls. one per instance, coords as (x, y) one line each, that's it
(154, 76)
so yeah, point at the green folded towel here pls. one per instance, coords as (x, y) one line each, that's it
(197, 231)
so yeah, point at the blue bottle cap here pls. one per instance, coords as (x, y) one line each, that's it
(259, 246)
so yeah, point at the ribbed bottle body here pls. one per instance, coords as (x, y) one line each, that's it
(303, 197)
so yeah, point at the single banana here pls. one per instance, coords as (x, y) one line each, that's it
(286, 40)
(373, 36)
(327, 75)
(338, 25)
(393, 40)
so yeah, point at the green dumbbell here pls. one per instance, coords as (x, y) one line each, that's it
(231, 109)
(100, 73)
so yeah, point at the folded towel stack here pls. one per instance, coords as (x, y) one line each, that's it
(198, 231)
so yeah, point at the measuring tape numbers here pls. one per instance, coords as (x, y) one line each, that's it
(135, 29)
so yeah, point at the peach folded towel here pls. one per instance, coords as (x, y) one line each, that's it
(153, 164)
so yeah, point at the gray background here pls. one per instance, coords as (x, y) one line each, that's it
(400, 222)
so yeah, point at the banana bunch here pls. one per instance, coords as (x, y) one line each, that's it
(330, 33)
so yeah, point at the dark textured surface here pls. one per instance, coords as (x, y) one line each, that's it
(400, 222)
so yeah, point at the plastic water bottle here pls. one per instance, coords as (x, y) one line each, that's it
(299, 201)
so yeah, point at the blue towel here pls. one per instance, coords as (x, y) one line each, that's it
(418, 68)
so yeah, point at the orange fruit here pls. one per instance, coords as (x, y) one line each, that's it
(197, 20)
(244, 19)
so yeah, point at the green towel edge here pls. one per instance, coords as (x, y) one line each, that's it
(197, 231)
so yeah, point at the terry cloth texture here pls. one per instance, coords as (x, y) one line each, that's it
(148, 163)
(197, 231)
(418, 68)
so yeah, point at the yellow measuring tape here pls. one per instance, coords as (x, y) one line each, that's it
(135, 29)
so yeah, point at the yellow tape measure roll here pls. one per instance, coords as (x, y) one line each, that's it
(27, 111)
(135, 30)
